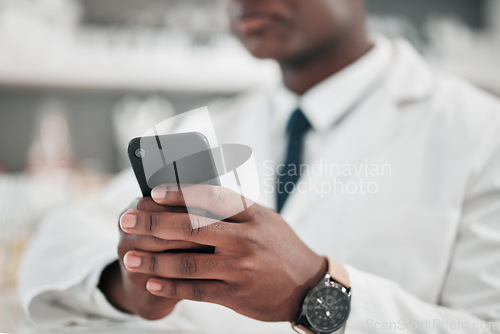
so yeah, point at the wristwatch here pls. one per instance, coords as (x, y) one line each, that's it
(326, 307)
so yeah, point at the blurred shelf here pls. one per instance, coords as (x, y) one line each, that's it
(203, 70)
(50, 45)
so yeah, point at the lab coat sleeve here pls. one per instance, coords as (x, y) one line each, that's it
(61, 268)
(470, 297)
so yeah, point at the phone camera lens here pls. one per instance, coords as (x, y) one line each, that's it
(140, 153)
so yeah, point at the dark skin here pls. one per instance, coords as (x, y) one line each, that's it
(311, 40)
(125, 289)
(255, 264)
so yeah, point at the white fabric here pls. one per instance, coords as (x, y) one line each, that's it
(422, 251)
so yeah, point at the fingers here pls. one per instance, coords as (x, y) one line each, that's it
(148, 204)
(150, 243)
(178, 266)
(178, 226)
(221, 201)
(154, 244)
(210, 291)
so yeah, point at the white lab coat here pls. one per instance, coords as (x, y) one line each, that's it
(423, 252)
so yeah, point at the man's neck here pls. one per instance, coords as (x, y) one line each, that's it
(301, 75)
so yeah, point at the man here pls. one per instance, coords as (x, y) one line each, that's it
(413, 247)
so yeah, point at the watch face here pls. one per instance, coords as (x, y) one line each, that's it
(327, 309)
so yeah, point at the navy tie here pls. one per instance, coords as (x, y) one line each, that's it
(297, 127)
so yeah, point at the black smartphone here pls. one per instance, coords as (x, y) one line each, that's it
(182, 158)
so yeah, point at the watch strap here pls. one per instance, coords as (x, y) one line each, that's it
(299, 329)
(338, 273)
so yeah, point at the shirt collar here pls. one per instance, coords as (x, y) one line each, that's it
(326, 102)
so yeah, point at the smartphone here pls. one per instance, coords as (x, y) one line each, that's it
(182, 158)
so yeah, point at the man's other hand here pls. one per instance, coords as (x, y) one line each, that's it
(125, 289)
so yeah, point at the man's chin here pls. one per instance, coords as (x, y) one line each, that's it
(265, 49)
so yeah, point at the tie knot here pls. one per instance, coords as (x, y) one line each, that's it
(298, 124)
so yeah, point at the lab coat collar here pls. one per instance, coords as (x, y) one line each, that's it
(396, 65)
(411, 79)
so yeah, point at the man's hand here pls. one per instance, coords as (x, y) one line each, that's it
(260, 268)
(126, 290)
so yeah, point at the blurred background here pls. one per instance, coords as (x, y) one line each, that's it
(78, 79)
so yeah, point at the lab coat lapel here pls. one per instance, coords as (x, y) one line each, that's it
(257, 133)
(368, 130)
(248, 122)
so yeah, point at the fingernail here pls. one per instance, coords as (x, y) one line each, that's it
(128, 221)
(159, 193)
(153, 286)
(132, 261)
